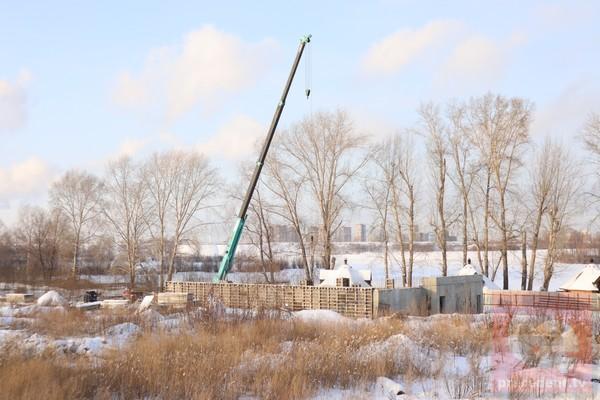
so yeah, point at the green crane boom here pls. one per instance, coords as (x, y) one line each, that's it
(227, 260)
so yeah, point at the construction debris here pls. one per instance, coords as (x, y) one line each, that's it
(114, 303)
(175, 299)
(19, 298)
(146, 303)
(94, 305)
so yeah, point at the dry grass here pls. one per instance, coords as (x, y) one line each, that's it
(455, 335)
(245, 359)
(260, 354)
(45, 377)
(73, 322)
(267, 357)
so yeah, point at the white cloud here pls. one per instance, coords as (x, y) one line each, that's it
(401, 48)
(130, 147)
(204, 68)
(234, 140)
(477, 59)
(13, 102)
(565, 115)
(476, 56)
(26, 178)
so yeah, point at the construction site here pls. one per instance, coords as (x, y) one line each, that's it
(419, 221)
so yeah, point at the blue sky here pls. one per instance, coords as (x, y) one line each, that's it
(84, 82)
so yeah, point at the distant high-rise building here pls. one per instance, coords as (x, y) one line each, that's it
(343, 234)
(360, 233)
(347, 234)
(284, 233)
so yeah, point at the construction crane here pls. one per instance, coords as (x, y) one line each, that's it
(227, 260)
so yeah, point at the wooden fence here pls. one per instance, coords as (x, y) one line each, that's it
(519, 299)
(355, 302)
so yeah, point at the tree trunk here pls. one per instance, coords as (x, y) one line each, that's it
(385, 260)
(401, 242)
(161, 256)
(523, 260)
(326, 248)
(549, 264)
(263, 264)
(442, 215)
(504, 249)
(131, 262)
(486, 229)
(172, 256)
(307, 269)
(411, 235)
(534, 246)
(75, 258)
(465, 230)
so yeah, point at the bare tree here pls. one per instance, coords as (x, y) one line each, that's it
(465, 169)
(258, 223)
(481, 235)
(287, 186)
(591, 134)
(542, 181)
(24, 234)
(394, 158)
(499, 128)
(407, 174)
(159, 174)
(591, 140)
(378, 186)
(41, 233)
(433, 128)
(565, 185)
(124, 209)
(262, 232)
(195, 184)
(77, 196)
(327, 151)
(179, 186)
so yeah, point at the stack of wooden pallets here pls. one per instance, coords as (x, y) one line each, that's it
(356, 302)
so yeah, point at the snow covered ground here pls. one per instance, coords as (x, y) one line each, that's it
(445, 370)
(425, 264)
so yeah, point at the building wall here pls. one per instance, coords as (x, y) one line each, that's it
(359, 233)
(407, 301)
(454, 294)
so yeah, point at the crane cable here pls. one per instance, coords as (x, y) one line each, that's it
(308, 76)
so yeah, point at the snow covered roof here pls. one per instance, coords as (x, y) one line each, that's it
(356, 277)
(584, 281)
(487, 282)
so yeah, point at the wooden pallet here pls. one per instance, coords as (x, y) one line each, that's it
(356, 302)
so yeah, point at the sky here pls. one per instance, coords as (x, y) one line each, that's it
(82, 83)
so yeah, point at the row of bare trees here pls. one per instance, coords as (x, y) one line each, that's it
(465, 166)
(154, 204)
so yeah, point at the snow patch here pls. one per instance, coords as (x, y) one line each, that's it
(119, 335)
(51, 299)
(327, 316)
(145, 304)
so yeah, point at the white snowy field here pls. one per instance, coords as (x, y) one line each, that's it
(312, 354)
(425, 264)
